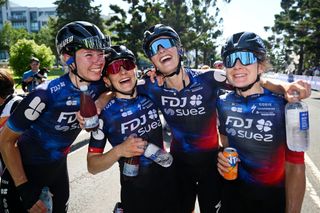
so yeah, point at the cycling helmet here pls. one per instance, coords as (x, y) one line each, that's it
(156, 31)
(118, 52)
(218, 64)
(80, 34)
(244, 41)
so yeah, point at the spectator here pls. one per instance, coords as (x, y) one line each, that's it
(8, 101)
(218, 65)
(31, 78)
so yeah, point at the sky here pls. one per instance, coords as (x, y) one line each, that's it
(239, 15)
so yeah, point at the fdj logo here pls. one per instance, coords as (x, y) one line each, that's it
(133, 124)
(173, 102)
(239, 122)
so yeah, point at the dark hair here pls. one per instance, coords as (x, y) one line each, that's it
(6, 84)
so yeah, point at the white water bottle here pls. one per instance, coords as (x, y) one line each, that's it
(158, 155)
(297, 125)
(46, 198)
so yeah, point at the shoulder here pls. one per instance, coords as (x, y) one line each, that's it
(212, 74)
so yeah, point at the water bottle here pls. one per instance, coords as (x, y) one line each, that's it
(131, 166)
(297, 125)
(46, 198)
(158, 155)
(88, 110)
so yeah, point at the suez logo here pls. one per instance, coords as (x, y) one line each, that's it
(243, 128)
(179, 106)
(140, 124)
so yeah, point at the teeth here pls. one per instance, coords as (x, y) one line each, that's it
(164, 58)
(125, 79)
(239, 75)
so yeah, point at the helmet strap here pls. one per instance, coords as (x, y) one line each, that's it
(246, 88)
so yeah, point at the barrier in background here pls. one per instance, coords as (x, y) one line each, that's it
(313, 80)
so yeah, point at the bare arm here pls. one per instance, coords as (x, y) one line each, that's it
(103, 99)
(280, 87)
(295, 187)
(11, 155)
(98, 162)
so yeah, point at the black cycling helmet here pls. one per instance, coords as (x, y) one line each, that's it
(156, 31)
(80, 34)
(118, 52)
(246, 41)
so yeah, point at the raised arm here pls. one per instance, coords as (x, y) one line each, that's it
(295, 187)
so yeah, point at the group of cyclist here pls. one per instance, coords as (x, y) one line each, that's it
(37, 137)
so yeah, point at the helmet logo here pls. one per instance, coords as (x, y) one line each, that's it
(259, 40)
(65, 42)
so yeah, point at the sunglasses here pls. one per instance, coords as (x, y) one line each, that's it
(115, 66)
(246, 58)
(163, 42)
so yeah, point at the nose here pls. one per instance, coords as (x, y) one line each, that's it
(238, 63)
(122, 70)
(161, 48)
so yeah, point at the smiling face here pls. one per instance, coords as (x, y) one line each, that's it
(123, 81)
(90, 63)
(166, 59)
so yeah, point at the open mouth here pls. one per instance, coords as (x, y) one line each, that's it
(165, 59)
(125, 80)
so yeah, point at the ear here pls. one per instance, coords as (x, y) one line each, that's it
(261, 68)
(107, 81)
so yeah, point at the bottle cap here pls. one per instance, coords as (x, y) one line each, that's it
(84, 88)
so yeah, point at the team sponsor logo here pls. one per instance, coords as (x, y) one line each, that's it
(34, 109)
(57, 87)
(249, 128)
(140, 124)
(179, 106)
(71, 101)
(68, 121)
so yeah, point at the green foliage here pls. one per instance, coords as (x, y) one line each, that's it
(296, 30)
(23, 50)
(75, 10)
(191, 19)
(9, 36)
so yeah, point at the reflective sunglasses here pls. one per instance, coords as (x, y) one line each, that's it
(115, 66)
(163, 42)
(246, 58)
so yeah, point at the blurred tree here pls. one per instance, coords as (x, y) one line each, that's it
(299, 28)
(9, 36)
(23, 50)
(74, 10)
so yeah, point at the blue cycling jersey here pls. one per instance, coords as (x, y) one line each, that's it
(191, 112)
(255, 126)
(124, 117)
(47, 120)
